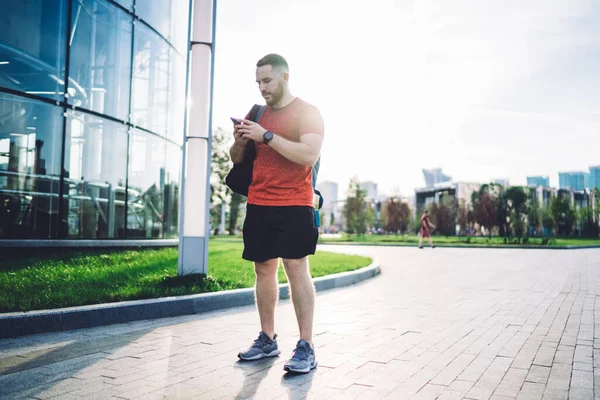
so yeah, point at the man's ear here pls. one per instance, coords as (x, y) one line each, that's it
(286, 77)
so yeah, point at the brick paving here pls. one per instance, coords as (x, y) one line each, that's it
(445, 323)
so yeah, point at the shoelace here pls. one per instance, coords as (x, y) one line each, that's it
(260, 342)
(300, 353)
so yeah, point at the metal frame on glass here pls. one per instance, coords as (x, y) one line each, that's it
(59, 237)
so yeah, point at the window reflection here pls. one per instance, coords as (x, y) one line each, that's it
(30, 137)
(150, 95)
(128, 4)
(168, 17)
(145, 212)
(95, 176)
(100, 58)
(32, 46)
(172, 185)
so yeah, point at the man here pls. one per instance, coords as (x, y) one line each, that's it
(425, 228)
(280, 219)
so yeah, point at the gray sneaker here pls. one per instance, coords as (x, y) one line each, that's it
(261, 348)
(303, 358)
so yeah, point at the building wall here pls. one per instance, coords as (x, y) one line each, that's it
(434, 176)
(573, 180)
(91, 118)
(329, 191)
(370, 189)
(594, 180)
(538, 181)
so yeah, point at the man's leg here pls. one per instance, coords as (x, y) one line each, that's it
(430, 241)
(267, 293)
(303, 294)
(421, 241)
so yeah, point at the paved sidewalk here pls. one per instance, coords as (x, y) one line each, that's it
(443, 323)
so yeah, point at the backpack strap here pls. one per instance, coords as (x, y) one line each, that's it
(256, 112)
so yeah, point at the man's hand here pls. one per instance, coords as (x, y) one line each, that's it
(251, 130)
(240, 140)
(238, 149)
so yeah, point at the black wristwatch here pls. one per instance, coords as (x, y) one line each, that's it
(267, 137)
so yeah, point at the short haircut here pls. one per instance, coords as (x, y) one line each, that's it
(426, 211)
(274, 60)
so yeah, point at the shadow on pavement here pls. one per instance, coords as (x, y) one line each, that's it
(31, 373)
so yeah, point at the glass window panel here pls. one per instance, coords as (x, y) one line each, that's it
(145, 212)
(100, 63)
(172, 187)
(95, 175)
(32, 46)
(30, 146)
(151, 71)
(128, 4)
(168, 17)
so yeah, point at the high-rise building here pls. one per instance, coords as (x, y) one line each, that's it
(329, 191)
(91, 118)
(594, 180)
(538, 181)
(370, 189)
(435, 175)
(502, 181)
(574, 180)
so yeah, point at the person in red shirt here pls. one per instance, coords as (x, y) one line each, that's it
(426, 226)
(280, 217)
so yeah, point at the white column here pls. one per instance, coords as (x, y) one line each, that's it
(195, 202)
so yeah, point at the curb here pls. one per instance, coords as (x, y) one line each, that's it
(43, 321)
(468, 246)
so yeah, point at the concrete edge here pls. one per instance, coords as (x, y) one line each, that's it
(43, 321)
(468, 246)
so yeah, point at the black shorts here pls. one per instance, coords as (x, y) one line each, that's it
(272, 232)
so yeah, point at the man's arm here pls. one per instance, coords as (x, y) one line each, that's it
(306, 152)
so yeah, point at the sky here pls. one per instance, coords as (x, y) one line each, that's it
(483, 89)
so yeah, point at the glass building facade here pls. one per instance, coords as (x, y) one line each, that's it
(538, 181)
(92, 103)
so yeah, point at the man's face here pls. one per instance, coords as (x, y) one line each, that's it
(270, 83)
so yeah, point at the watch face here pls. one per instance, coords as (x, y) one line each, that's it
(268, 136)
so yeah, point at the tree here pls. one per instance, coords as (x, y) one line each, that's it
(534, 217)
(219, 168)
(516, 204)
(443, 215)
(597, 206)
(484, 210)
(562, 213)
(464, 216)
(332, 219)
(396, 215)
(356, 212)
(547, 220)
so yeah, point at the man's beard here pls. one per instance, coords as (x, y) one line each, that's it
(276, 96)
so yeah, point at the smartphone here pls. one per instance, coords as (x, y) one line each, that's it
(236, 121)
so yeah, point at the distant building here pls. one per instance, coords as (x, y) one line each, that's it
(505, 182)
(434, 176)
(538, 181)
(574, 180)
(594, 180)
(370, 189)
(329, 191)
(457, 190)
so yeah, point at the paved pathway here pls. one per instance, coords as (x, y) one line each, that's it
(443, 323)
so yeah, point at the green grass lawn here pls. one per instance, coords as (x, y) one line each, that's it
(454, 240)
(92, 278)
